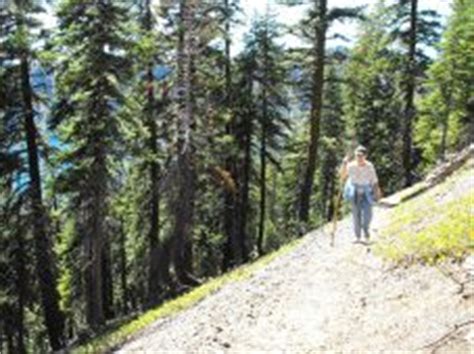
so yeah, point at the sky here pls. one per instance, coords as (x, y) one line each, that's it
(291, 15)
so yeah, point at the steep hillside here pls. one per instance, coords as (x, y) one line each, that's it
(411, 290)
(433, 226)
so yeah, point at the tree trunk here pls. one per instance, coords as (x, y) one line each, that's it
(93, 208)
(273, 200)
(245, 189)
(93, 244)
(315, 118)
(233, 252)
(245, 165)
(21, 288)
(444, 138)
(246, 171)
(154, 169)
(263, 189)
(184, 203)
(108, 287)
(164, 261)
(410, 94)
(446, 93)
(9, 332)
(53, 317)
(263, 152)
(123, 271)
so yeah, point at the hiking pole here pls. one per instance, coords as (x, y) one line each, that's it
(337, 202)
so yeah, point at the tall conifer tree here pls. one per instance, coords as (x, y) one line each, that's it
(89, 95)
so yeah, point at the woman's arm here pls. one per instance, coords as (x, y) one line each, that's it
(375, 184)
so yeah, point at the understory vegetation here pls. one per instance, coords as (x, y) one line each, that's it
(429, 229)
(145, 148)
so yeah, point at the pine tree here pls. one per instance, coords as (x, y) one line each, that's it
(314, 28)
(149, 103)
(422, 30)
(12, 199)
(168, 160)
(332, 131)
(184, 205)
(154, 167)
(321, 26)
(86, 115)
(410, 93)
(269, 76)
(245, 125)
(19, 31)
(446, 117)
(235, 251)
(373, 99)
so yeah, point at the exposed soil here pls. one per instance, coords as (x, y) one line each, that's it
(318, 298)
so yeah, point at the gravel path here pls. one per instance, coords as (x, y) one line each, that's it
(321, 299)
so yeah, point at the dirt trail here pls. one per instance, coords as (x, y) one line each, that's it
(320, 299)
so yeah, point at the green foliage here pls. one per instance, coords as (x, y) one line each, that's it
(70, 284)
(88, 125)
(262, 118)
(113, 124)
(269, 75)
(445, 122)
(422, 230)
(373, 100)
(332, 151)
(21, 311)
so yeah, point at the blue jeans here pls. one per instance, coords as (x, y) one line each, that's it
(361, 214)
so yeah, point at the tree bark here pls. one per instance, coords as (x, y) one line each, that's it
(53, 317)
(94, 211)
(233, 252)
(245, 188)
(165, 261)
(315, 118)
(446, 93)
(9, 335)
(410, 94)
(93, 230)
(246, 168)
(263, 151)
(108, 287)
(244, 139)
(263, 189)
(123, 271)
(21, 288)
(154, 170)
(184, 203)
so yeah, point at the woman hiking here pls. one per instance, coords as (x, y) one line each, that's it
(361, 189)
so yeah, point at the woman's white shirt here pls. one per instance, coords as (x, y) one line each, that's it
(362, 174)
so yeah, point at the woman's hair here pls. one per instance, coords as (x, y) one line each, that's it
(361, 150)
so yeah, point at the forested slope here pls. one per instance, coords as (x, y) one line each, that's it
(146, 147)
(412, 289)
